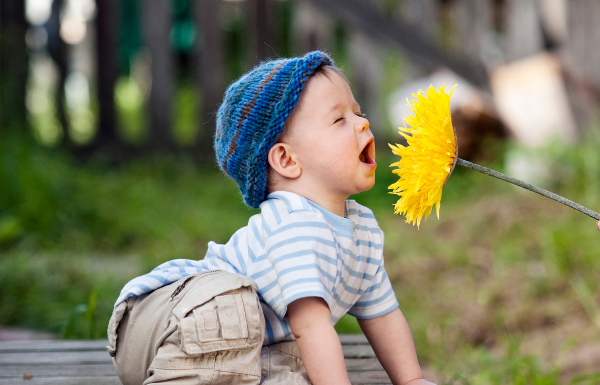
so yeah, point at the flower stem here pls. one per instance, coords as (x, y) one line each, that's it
(529, 187)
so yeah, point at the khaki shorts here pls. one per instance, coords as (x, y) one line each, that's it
(207, 328)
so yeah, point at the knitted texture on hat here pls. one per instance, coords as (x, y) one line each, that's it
(253, 114)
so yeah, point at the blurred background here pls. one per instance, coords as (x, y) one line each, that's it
(107, 112)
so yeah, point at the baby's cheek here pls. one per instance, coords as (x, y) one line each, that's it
(348, 147)
(345, 158)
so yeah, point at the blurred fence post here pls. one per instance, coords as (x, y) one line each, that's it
(156, 25)
(360, 15)
(210, 71)
(523, 29)
(260, 31)
(424, 15)
(582, 40)
(107, 63)
(13, 65)
(311, 29)
(367, 75)
(58, 51)
(472, 20)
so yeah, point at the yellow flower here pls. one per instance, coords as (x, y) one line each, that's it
(428, 160)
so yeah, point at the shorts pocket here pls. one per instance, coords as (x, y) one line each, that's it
(228, 321)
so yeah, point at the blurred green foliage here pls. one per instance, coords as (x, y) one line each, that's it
(131, 113)
(512, 368)
(68, 230)
(185, 116)
(501, 264)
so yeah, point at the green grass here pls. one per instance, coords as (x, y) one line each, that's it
(503, 289)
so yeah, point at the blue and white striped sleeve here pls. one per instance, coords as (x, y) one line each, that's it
(162, 275)
(302, 257)
(378, 300)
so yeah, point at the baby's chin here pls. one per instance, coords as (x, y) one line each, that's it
(369, 185)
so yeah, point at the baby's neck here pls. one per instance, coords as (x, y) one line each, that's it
(336, 205)
(333, 201)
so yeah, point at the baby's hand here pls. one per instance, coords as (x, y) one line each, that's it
(598, 224)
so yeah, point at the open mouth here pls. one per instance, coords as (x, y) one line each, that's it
(364, 156)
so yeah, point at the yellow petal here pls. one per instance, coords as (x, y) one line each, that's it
(426, 162)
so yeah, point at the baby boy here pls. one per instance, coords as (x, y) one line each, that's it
(261, 308)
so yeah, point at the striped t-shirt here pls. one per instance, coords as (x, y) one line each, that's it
(294, 249)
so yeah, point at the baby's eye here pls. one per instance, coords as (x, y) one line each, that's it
(338, 119)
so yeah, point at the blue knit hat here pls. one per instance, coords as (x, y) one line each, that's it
(253, 114)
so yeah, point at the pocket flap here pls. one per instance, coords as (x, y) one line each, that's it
(211, 321)
(228, 321)
(232, 316)
(209, 288)
(189, 337)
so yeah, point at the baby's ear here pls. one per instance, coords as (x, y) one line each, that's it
(283, 161)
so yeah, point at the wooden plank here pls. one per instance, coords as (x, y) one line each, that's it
(350, 342)
(353, 339)
(88, 345)
(92, 357)
(32, 358)
(369, 377)
(63, 362)
(362, 364)
(100, 370)
(58, 370)
(64, 381)
(358, 351)
(362, 377)
(52, 346)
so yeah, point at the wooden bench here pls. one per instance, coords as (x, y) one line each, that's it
(87, 362)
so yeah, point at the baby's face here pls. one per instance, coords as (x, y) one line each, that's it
(331, 138)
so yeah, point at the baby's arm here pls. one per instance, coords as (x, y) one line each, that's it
(392, 342)
(319, 344)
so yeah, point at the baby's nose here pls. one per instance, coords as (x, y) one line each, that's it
(363, 125)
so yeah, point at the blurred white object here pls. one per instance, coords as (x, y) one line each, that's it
(464, 94)
(473, 115)
(531, 99)
(37, 11)
(554, 17)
